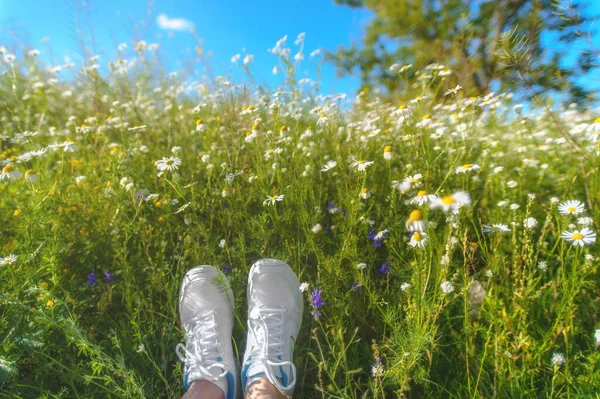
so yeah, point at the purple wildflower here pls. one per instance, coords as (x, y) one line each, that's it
(226, 269)
(140, 196)
(355, 286)
(92, 278)
(109, 277)
(317, 302)
(385, 268)
(331, 208)
(378, 237)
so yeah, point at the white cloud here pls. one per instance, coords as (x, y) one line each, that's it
(164, 22)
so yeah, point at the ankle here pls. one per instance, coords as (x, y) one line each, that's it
(263, 389)
(204, 389)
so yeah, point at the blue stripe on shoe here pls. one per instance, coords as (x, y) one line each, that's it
(230, 386)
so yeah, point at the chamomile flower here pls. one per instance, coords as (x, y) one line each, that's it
(416, 221)
(571, 207)
(418, 239)
(361, 266)
(10, 172)
(580, 238)
(388, 153)
(316, 229)
(31, 176)
(468, 167)
(452, 202)
(361, 165)
(250, 136)
(182, 208)
(273, 199)
(8, 260)
(423, 198)
(328, 166)
(496, 228)
(171, 163)
(200, 125)
(414, 180)
(585, 221)
(365, 193)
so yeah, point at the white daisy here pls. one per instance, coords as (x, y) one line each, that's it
(171, 163)
(452, 201)
(182, 208)
(418, 239)
(467, 168)
(496, 228)
(530, 223)
(423, 198)
(361, 266)
(361, 165)
(571, 207)
(328, 166)
(9, 172)
(581, 237)
(416, 221)
(8, 260)
(273, 199)
(316, 228)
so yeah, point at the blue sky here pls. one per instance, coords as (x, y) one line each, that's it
(226, 27)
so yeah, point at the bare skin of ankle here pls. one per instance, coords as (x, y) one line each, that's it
(204, 390)
(263, 389)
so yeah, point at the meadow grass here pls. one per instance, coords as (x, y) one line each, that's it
(115, 184)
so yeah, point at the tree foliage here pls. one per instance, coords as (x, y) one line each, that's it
(491, 44)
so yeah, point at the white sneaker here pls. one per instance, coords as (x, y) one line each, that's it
(206, 309)
(274, 316)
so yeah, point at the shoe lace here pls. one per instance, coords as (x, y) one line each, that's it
(267, 326)
(202, 349)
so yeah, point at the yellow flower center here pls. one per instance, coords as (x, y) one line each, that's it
(31, 172)
(361, 162)
(255, 126)
(170, 162)
(417, 236)
(388, 148)
(250, 107)
(402, 106)
(8, 168)
(198, 122)
(274, 198)
(416, 215)
(422, 193)
(467, 166)
(283, 128)
(448, 200)
(495, 228)
(571, 210)
(248, 134)
(365, 190)
(577, 236)
(322, 116)
(597, 120)
(427, 116)
(271, 150)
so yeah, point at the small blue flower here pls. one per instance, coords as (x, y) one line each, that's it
(317, 303)
(355, 286)
(226, 269)
(385, 268)
(92, 278)
(109, 277)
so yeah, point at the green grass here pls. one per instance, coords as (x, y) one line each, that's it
(60, 337)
